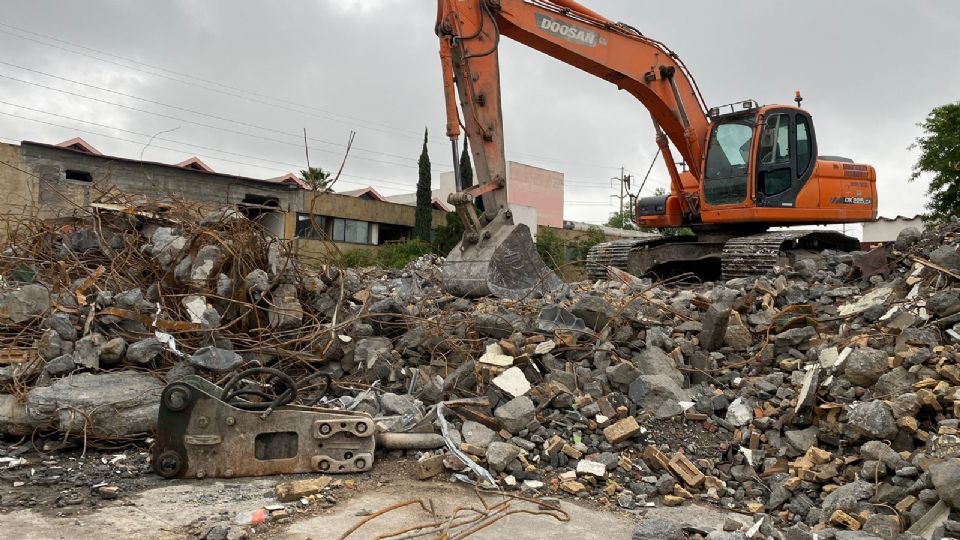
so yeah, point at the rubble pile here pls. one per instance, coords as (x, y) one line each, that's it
(822, 397)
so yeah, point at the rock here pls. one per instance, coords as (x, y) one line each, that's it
(257, 282)
(477, 434)
(896, 382)
(50, 345)
(513, 382)
(947, 257)
(113, 350)
(396, 404)
(595, 311)
(23, 304)
(865, 365)
(591, 468)
(215, 359)
(622, 373)
(87, 351)
(117, 404)
(793, 338)
(206, 261)
(166, 246)
(872, 420)
(285, 311)
(60, 365)
(854, 491)
(907, 238)
(801, 439)
(944, 303)
(738, 337)
(946, 479)
(144, 351)
(715, 322)
(653, 361)
(739, 413)
(807, 268)
(500, 455)
(656, 528)
(61, 324)
(516, 414)
(371, 350)
(555, 318)
(657, 394)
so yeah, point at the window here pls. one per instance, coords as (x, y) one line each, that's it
(775, 172)
(79, 176)
(727, 155)
(775, 140)
(804, 150)
(335, 229)
(311, 226)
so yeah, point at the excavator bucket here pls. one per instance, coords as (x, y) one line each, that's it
(506, 264)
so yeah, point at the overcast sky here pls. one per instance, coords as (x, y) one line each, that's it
(236, 81)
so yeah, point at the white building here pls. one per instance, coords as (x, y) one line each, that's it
(885, 229)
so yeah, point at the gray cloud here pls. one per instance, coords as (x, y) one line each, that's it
(869, 70)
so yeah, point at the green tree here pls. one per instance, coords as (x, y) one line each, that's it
(623, 220)
(316, 178)
(466, 169)
(424, 214)
(551, 248)
(940, 156)
(446, 237)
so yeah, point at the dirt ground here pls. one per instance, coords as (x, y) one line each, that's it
(63, 497)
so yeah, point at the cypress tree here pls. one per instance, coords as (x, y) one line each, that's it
(466, 169)
(424, 215)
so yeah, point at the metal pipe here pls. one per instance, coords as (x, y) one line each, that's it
(409, 441)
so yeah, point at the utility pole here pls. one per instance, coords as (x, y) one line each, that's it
(624, 180)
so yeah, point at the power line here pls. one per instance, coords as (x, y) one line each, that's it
(433, 141)
(192, 111)
(200, 124)
(353, 119)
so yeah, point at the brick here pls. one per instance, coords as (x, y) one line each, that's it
(429, 466)
(656, 458)
(845, 520)
(291, 491)
(685, 468)
(554, 445)
(622, 430)
(571, 452)
(906, 503)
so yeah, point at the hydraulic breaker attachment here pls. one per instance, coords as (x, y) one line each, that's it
(199, 435)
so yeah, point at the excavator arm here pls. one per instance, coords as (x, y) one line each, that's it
(470, 32)
(494, 257)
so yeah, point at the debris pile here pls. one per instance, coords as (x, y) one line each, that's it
(822, 397)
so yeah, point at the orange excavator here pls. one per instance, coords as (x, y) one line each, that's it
(747, 168)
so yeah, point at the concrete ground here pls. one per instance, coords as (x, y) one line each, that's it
(163, 513)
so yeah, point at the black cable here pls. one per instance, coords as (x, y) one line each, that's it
(285, 397)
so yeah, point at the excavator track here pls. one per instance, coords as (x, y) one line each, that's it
(615, 254)
(757, 254)
(739, 256)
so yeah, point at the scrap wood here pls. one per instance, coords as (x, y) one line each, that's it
(935, 266)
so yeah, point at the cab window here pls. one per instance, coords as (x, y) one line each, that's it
(804, 152)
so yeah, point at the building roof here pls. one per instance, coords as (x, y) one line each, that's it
(900, 218)
(195, 164)
(82, 150)
(80, 145)
(290, 180)
(365, 193)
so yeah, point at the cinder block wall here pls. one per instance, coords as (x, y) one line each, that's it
(154, 181)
